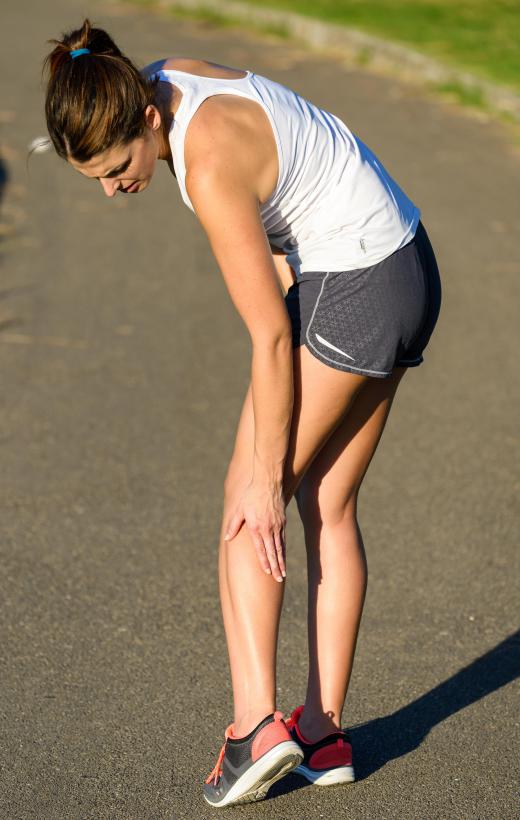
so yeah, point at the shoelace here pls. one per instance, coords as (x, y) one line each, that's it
(216, 772)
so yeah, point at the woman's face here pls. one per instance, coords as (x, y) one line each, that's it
(127, 168)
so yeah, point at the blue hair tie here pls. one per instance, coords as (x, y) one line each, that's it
(77, 51)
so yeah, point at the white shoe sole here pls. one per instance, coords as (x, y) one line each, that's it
(328, 777)
(256, 782)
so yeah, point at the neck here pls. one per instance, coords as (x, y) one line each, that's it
(166, 105)
(164, 150)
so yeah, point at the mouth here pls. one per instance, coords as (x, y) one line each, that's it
(130, 189)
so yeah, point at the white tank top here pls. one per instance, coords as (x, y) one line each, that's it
(334, 207)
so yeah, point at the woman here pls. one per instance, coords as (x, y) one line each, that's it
(289, 197)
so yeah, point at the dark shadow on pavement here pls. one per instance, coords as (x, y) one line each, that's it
(4, 176)
(377, 742)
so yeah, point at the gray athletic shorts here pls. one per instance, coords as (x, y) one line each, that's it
(373, 319)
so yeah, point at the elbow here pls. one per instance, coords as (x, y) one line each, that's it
(279, 340)
(273, 349)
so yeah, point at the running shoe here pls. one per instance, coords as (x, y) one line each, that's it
(326, 762)
(248, 766)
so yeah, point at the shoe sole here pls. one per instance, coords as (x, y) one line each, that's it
(256, 782)
(328, 777)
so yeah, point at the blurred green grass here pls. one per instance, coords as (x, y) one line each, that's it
(481, 37)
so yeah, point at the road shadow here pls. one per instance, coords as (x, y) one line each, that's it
(4, 178)
(377, 742)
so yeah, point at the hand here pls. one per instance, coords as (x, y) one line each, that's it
(262, 507)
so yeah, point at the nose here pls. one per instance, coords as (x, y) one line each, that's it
(110, 186)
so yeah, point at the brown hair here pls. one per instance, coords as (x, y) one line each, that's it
(95, 101)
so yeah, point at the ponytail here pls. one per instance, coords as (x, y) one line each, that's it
(95, 99)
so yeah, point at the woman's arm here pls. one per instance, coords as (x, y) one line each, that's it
(228, 209)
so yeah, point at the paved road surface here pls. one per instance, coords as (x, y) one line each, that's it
(116, 425)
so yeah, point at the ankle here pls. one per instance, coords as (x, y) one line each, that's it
(247, 721)
(315, 725)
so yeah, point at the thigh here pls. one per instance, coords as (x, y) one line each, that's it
(322, 397)
(329, 489)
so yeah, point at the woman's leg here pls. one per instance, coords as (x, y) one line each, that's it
(251, 600)
(327, 500)
(251, 626)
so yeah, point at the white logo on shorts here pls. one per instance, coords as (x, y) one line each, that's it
(333, 347)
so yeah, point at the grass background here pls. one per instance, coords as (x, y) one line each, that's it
(482, 37)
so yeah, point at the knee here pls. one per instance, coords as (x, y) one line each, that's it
(319, 509)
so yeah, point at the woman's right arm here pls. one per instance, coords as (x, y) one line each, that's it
(229, 212)
(224, 169)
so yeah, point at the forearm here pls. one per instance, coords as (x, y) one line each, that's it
(273, 395)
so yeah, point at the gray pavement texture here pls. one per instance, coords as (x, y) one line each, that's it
(116, 426)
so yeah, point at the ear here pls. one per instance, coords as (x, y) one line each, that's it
(152, 117)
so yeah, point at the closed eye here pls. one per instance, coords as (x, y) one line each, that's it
(118, 170)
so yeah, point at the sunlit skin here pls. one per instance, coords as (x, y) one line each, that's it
(129, 167)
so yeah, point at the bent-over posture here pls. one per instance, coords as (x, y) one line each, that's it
(331, 269)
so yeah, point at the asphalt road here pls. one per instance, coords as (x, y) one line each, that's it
(123, 368)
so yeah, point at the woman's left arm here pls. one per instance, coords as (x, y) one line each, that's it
(228, 209)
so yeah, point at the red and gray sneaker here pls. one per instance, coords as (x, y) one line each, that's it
(248, 766)
(326, 762)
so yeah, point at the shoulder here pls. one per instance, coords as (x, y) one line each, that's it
(170, 63)
(231, 135)
(230, 128)
(224, 116)
(192, 65)
(219, 138)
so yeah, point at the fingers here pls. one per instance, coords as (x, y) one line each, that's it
(261, 551)
(269, 546)
(279, 538)
(272, 555)
(270, 550)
